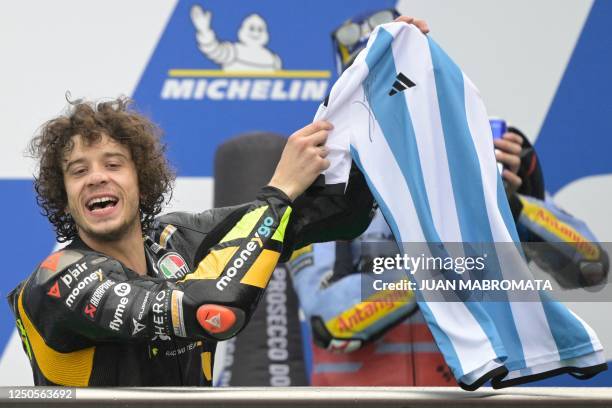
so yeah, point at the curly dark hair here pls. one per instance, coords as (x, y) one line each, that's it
(91, 120)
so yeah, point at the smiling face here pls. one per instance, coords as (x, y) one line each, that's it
(253, 31)
(102, 189)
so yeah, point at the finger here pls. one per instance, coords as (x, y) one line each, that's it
(511, 161)
(421, 25)
(404, 19)
(323, 151)
(512, 179)
(508, 146)
(325, 164)
(313, 127)
(513, 137)
(318, 138)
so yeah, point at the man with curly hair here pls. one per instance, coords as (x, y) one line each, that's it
(139, 299)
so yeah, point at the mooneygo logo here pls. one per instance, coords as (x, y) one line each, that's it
(264, 230)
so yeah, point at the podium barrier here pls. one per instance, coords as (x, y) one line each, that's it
(319, 397)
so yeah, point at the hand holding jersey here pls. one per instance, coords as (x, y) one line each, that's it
(303, 159)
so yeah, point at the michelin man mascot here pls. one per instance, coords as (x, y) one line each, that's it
(248, 54)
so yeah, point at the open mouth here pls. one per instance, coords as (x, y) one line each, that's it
(101, 204)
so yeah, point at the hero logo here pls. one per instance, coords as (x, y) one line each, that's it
(121, 290)
(97, 275)
(159, 316)
(249, 69)
(263, 231)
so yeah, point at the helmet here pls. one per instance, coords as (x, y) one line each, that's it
(352, 35)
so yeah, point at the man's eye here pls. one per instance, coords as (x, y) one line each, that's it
(113, 165)
(78, 172)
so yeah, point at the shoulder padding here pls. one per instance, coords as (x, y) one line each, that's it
(56, 263)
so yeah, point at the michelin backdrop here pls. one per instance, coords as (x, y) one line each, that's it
(208, 70)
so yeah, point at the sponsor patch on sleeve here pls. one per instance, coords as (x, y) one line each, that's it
(178, 322)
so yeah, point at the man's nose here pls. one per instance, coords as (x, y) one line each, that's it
(97, 177)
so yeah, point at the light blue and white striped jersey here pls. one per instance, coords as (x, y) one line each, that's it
(418, 129)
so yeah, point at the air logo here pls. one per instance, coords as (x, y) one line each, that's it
(264, 230)
(73, 274)
(402, 82)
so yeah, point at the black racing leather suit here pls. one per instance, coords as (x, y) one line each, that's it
(87, 320)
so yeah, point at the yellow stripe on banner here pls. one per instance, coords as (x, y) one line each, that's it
(368, 312)
(213, 264)
(246, 224)
(279, 234)
(213, 73)
(259, 273)
(206, 365)
(72, 368)
(166, 234)
(565, 232)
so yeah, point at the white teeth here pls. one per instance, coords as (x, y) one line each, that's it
(100, 200)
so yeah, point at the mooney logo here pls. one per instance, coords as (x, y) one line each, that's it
(88, 280)
(401, 83)
(249, 69)
(245, 254)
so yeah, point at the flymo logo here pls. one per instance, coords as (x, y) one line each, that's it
(249, 69)
(240, 259)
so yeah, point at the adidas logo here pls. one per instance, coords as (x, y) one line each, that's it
(401, 83)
